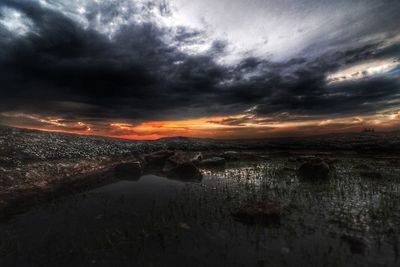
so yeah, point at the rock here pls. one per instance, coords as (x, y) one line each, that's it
(213, 162)
(260, 213)
(356, 244)
(180, 157)
(371, 175)
(314, 169)
(186, 171)
(128, 171)
(175, 165)
(158, 159)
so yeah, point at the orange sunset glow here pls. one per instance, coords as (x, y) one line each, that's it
(242, 126)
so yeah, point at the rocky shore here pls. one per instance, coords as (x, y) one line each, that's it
(35, 166)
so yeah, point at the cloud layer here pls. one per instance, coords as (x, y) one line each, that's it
(135, 61)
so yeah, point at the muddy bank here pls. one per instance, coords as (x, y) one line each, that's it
(18, 199)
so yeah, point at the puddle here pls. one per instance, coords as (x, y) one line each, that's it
(147, 188)
(347, 221)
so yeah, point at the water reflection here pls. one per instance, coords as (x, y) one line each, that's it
(156, 221)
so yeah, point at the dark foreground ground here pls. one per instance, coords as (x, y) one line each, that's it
(63, 203)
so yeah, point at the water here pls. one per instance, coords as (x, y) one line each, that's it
(347, 221)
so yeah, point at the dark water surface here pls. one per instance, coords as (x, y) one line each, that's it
(348, 221)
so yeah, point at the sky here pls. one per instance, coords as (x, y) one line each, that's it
(147, 69)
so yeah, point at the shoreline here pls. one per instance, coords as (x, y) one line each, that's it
(16, 200)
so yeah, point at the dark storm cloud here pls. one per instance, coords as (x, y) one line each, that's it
(300, 86)
(62, 69)
(133, 75)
